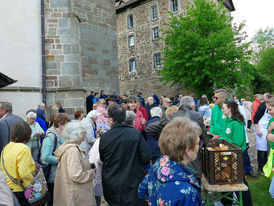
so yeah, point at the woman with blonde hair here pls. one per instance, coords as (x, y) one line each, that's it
(170, 181)
(74, 176)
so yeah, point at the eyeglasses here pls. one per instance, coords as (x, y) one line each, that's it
(200, 143)
(215, 98)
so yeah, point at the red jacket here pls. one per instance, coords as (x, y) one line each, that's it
(255, 106)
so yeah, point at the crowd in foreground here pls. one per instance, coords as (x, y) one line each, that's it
(130, 152)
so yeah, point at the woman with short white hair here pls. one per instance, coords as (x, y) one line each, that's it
(90, 125)
(37, 133)
(74, 175)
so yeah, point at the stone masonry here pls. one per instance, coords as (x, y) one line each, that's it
(145, 78)
(81, 50)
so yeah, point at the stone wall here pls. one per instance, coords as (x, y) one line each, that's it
(145, 78)
(81, 51)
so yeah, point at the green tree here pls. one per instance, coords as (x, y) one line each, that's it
(262, 40)
(203, 50)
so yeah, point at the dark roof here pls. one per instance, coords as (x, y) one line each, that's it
(5, 80)
(229, 5)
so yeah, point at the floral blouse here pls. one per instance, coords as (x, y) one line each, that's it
(170, 183)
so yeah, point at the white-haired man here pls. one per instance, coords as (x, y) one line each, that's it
(150, 104)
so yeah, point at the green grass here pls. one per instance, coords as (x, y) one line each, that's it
(259, 189)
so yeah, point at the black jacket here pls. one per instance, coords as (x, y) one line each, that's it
(260, 113)
(155, 129)
(124, 153)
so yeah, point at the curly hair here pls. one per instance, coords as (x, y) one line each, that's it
(236, 115)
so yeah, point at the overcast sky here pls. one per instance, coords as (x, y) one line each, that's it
(257, 13)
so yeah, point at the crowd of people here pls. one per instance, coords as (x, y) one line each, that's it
(128, 150)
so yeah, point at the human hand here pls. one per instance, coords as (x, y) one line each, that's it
(270, 137)
(259, 133)
(271, 127)
(143, 120)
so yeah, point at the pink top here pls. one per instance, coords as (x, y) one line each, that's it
(102, 114)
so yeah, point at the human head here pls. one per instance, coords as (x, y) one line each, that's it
(156, 112)
(42, 106)
(74, 132)
(60, 119)
(130, 118)
(59, 105)
(101, 102)
(231, 109)
(116, 113)
(258, 97)
(187, 101)
(93, 115)
(171, 110)
(31, 117)
(220, 96)
(166, 102)
(112, 100)
(92, 93)
(79, 115)
(150, 100)
(96, 94)
(139, 94)
(51, 111)
(5, 108)
(95, 105)
(180, 139)
(20, 132)
(204, 101)
(247, 98)
(133, 103)
(102, 91)
(270, 106)
(266, 96)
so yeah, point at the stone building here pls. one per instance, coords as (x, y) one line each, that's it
(61, 58)
(139, 47)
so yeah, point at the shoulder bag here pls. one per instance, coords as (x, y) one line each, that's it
(36, 192)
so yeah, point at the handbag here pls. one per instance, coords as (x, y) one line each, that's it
(36, 192)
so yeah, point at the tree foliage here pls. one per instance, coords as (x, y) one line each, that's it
(203, 50)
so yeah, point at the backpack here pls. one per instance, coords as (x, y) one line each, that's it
(47, 167)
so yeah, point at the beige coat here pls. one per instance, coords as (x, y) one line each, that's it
(73, 180)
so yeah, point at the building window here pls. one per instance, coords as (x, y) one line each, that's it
(154, 12)
(130, 21)
(155, 33)
(132, 65)
(174, 6)
(131, 41)
(157, 60)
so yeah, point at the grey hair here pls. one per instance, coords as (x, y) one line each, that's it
(41, 105)
(31, 114)
(6, 106)
(267, 95)
(130, 117)
(223, 92)
(156, 112)
(73, 131)
(92, 114)
(187, 101)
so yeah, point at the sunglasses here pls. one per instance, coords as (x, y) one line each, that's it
(215, 98)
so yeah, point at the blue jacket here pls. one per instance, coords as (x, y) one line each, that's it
(42, 123)
(170, 183)
(47, 155)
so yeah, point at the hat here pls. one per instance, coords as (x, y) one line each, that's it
(166, 100)
(112, 98)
